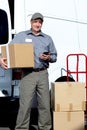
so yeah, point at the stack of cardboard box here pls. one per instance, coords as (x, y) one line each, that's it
(68, 104)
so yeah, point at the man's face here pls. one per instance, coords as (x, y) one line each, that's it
(36, 25)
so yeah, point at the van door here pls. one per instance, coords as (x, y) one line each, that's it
(5, 37)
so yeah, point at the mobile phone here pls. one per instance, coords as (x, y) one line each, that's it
(46, 53)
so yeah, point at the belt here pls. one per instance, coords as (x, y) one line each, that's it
(39, 69)
(26, 70)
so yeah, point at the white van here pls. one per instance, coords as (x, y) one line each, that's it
(5, 37)
(65, 21)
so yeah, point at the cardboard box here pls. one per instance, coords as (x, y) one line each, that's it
(68, 96)
(18, 55)
(68, 120)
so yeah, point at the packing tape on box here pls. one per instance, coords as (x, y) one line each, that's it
(58, 107)
(68, 116)
(84, 105)
(70, 107)
(8, 56)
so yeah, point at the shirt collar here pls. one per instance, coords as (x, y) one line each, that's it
(30, 32)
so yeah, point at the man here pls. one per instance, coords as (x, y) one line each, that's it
(35, 80)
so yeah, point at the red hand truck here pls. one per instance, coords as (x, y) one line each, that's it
(77, 72)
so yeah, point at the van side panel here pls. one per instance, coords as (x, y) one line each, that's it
(5, 75)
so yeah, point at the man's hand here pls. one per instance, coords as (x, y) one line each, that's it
(3, 64)
(45, 57)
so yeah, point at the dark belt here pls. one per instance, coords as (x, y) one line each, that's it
(27, 70)
(39, 69)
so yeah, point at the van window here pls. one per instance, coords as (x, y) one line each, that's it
(3, 27)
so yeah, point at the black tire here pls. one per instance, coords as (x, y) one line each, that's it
(64, 78)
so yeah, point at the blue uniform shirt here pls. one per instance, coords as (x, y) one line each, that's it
(42, 43)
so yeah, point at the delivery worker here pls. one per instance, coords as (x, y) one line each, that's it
(35, 80)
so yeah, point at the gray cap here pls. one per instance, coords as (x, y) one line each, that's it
(36, 16)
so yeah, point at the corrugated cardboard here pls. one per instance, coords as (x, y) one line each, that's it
(18, 55)
(68, 96)
(68, 120)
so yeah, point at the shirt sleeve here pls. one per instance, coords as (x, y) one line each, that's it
(18, 38)
(53, 51)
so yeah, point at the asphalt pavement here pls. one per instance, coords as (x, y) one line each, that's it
(33, 127)
(4, 128)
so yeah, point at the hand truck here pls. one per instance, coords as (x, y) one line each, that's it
(77, 72)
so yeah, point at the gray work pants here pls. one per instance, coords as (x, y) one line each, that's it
(31, 83)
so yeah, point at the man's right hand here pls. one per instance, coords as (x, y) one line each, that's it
(3, 64)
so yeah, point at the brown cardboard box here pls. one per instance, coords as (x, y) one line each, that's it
(68, 120)
(68, 96)
(18, 55)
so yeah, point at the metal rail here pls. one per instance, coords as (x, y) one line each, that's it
(77, 72)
